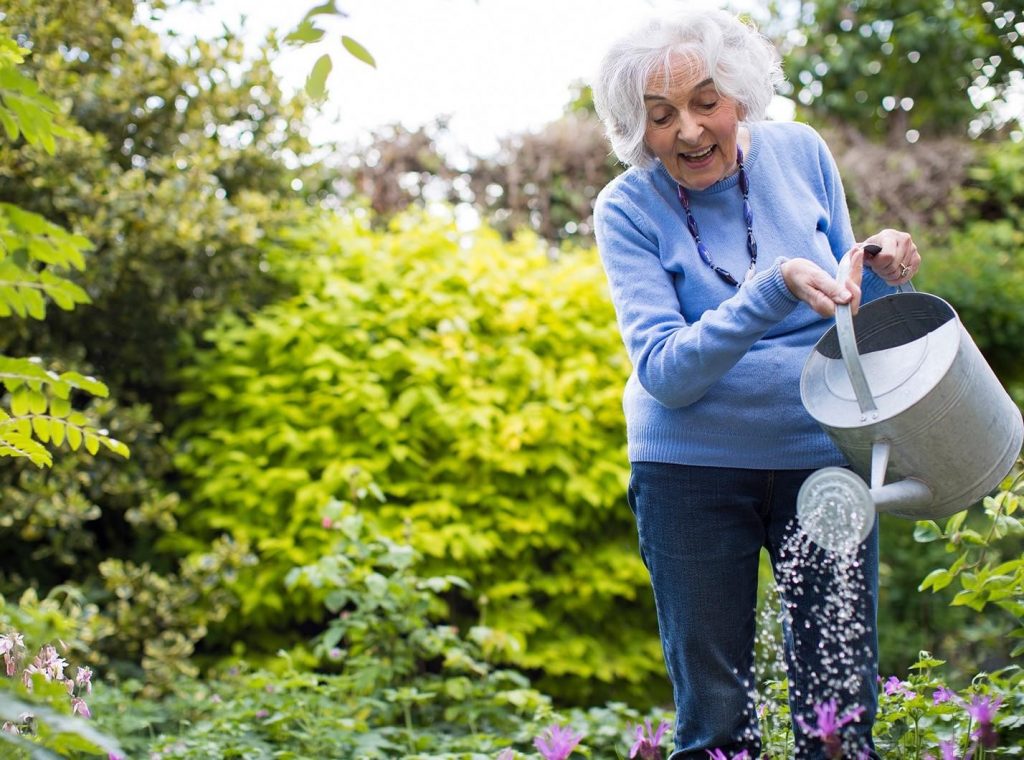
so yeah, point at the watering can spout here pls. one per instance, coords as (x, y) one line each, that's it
(907, 496)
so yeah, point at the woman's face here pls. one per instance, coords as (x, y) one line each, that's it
(691, 127)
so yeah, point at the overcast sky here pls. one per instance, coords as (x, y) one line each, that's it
(495, 66)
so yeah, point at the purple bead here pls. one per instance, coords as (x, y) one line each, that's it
(704, 254)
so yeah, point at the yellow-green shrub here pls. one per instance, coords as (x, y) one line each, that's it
(476, 382)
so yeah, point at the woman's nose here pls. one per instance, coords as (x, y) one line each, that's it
(688, 128)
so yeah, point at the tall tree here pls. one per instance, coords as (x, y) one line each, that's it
(903, 69)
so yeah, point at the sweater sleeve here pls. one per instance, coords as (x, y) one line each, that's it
(677, 362)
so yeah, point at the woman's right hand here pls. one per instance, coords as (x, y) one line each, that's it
(818, 289)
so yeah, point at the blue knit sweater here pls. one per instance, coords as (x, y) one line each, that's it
(716, 370)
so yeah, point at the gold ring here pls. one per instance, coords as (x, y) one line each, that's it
(904, 270)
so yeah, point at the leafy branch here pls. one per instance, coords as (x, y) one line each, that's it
(984, 578)
(31, 249)
(308, 33)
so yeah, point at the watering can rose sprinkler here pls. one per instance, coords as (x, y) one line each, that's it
(907, 397)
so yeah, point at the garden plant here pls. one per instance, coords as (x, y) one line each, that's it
(374, 505)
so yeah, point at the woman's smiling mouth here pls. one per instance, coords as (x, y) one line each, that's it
(698, 156)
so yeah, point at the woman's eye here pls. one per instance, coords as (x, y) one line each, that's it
(708, 106)
(661, 119)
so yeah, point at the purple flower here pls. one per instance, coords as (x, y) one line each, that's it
(647, 742)
(829, 724)
(506, 754)
(948, 749)
(983, 710)
(942, 694)
(79, 707)
(9, 646)
(894, 685)
(557, 743)
(83, 677)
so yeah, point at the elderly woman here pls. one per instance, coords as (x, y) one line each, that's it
(720, 245)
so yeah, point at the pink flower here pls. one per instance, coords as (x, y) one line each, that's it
(326, 522)
(983, 710)
(505, 754)
(894, 685)
(557, 743)
(79, 707)
(647, 742)
(942, 694)
(948, 750)
(83, 678)
(829, 724)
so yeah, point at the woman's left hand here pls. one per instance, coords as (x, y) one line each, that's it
(898, 260)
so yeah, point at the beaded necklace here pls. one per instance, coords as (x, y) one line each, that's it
(748, 215)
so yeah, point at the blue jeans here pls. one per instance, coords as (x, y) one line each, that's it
(701, 531)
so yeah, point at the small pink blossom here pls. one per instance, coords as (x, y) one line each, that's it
(79, 707)
(327, 522)
(983, 710)
(556, 742)
(506, 754)
(83, 678)
(942, 694)
(647, 744)
(894, 685)
(828, 725)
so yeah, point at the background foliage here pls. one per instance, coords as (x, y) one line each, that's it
(476, 383)
(284, 340)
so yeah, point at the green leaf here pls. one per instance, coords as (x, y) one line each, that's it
(936, 580)
(358, 51)
(116, 446)
(37, 403)
(9, 125)
(326, 8)
(954, 523)
(14, 443)
(21, 401)
(57, 432)
(927, 530)
(305, 33)
(60, 407)
(90, 384)
(41, 427)
(316, 84)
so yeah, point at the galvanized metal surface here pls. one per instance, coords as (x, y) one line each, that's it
(909, 399)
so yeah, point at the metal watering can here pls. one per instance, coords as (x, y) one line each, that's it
(906, 395)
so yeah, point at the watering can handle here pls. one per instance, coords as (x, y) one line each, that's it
(848, 340)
